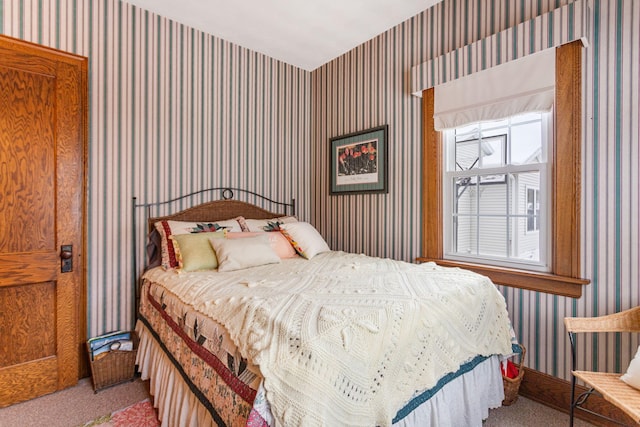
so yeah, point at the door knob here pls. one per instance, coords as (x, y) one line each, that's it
(66, 258)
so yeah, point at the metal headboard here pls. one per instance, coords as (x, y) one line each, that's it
(226, 193)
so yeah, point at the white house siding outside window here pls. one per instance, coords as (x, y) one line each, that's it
(496, 192)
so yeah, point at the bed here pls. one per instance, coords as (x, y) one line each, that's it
(305, 335)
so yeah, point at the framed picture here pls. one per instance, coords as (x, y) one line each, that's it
(359, 162)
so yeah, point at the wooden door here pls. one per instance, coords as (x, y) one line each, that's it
(43, 102)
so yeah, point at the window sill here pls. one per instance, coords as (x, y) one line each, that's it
(531, 280)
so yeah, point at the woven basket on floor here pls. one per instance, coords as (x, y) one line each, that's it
(512, 385)
(114, 367)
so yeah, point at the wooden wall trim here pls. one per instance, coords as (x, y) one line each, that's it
(432, 225)
(566, 160)
(556, 393)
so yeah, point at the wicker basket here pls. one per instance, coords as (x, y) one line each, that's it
(114, 367)
(512, 385)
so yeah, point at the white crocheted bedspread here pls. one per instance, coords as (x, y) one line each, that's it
(346, 339)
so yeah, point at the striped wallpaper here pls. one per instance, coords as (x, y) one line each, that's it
(552, 29)
(173, 110)
(371, 86)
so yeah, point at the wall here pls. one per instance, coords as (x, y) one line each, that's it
(369, 86)
(171, 110)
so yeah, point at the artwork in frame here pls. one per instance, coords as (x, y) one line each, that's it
(359, 162)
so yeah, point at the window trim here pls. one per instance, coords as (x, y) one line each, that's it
(564, 277)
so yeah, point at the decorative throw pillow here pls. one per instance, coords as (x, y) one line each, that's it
(169, 228)
(238, 254)
(194, 252)
(255, 225)
(632, 376)
(278, 242)
(304, 238)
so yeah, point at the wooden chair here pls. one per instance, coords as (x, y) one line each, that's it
(609, 385)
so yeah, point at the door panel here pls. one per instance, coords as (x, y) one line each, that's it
(28, 117)
(42, 205)
(34, 305)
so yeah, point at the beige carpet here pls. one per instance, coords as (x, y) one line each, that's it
(526, 412)
(73, 406)
(77, 405)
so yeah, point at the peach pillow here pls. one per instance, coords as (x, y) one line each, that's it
(277, 241)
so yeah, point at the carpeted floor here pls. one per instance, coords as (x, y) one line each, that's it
(78, 405)
(525, 412)
(141, 414)
(73, 406)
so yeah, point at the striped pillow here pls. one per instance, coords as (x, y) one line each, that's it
(167, 228)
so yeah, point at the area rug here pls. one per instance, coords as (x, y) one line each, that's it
(140, 414)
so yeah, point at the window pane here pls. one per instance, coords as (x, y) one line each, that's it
(496, 131)
(527, 194)
(526, 246)
(489, 152)
(466, 155)
(465, 235)
(531, 209)
(493, 151)
(527, 226)
(526, 143)
(466, 196)
(493, 195)
(493, 236)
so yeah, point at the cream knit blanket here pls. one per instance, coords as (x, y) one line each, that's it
(347, 339)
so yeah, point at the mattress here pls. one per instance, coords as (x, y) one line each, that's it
(201, 376)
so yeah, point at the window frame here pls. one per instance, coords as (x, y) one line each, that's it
(565, 189)
(453, 169)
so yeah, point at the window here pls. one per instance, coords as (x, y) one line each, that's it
(559, 206)
(491, 206)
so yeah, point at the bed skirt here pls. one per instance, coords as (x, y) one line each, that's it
(172, 396)
(463, 400)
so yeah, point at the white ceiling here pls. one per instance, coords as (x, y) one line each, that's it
(304, 33)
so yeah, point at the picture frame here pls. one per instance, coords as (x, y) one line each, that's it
(359, 162)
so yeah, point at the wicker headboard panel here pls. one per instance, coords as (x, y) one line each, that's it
(217, 210)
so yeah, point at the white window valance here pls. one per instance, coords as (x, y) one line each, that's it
(523, 85)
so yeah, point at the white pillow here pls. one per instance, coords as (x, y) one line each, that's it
(632, 377)
(256, 225)
(304, 238)
(237, 254)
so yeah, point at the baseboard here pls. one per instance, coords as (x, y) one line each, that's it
(556, 393)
